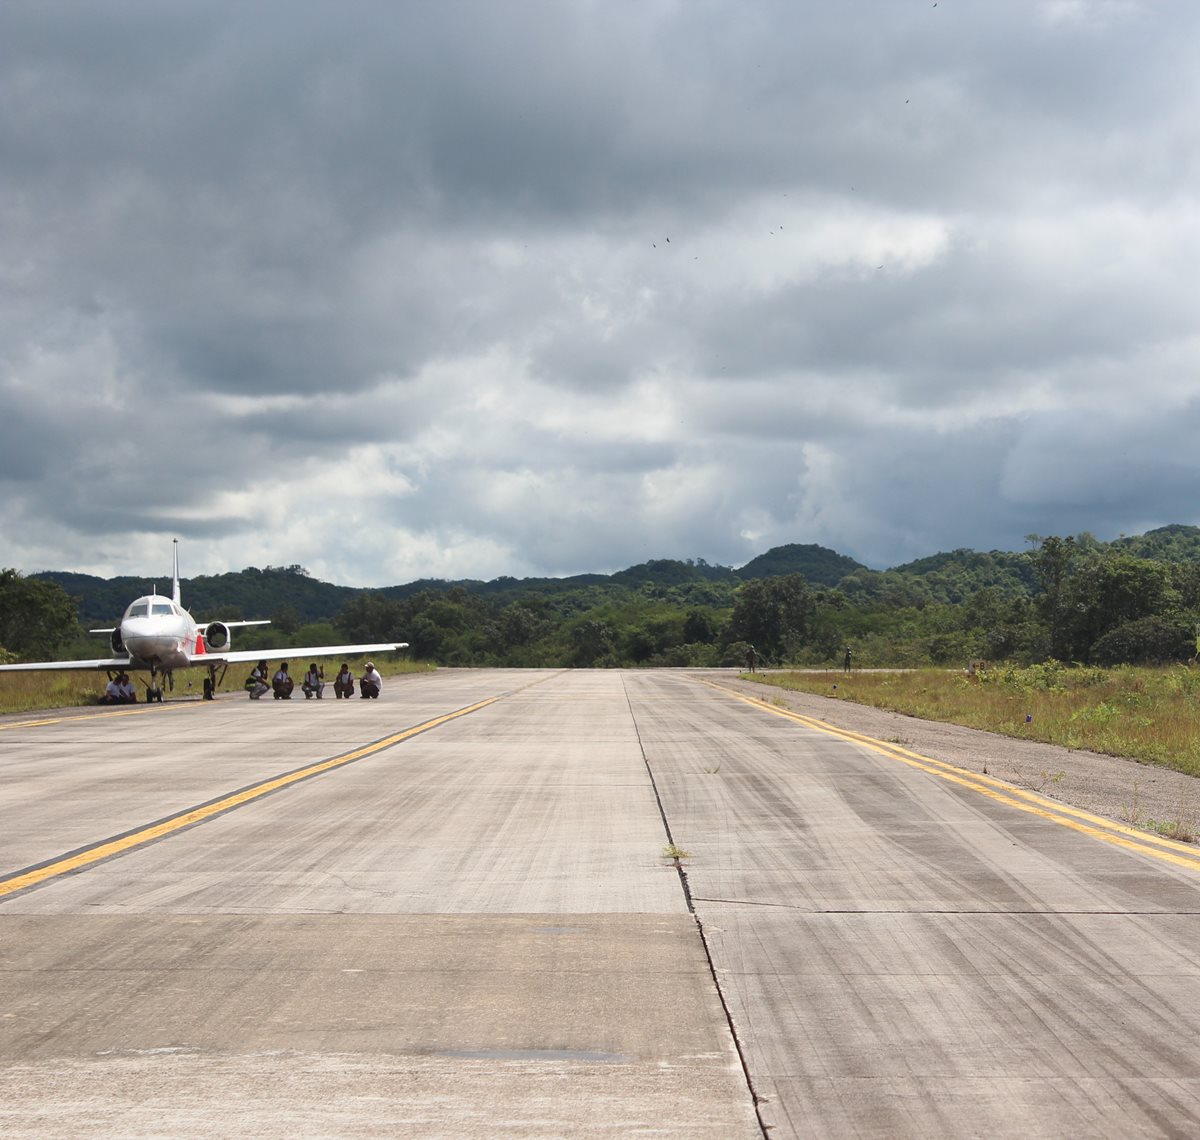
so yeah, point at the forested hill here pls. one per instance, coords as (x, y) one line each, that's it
(1174, 543)
(254, 592)
(249, 593)
(949, 577)
(1136, 599)
(821, 566)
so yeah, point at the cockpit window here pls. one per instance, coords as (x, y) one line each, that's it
(138, 609)
(161, 608)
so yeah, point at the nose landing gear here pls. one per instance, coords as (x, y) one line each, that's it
(154, 689)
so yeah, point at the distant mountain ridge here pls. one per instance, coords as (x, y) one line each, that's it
(946, 576)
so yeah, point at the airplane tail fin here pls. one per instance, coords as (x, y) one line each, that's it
(175, 576)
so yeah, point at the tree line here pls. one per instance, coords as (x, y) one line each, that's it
(1071, 599)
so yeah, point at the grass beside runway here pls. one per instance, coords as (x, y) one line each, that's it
(1146, 714)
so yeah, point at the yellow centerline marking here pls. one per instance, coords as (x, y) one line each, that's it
(106, 849)
(1076, 819)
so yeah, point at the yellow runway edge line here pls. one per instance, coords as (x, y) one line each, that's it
(108, 848)
(1094, 825)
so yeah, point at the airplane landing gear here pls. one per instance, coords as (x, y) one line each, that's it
(216, 674)
(154, 689)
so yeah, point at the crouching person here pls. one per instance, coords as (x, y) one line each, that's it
(283, 683)
(256, 683)
(313, 683)
(343, 683)
(370, 684)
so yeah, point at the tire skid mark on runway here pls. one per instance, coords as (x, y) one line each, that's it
(39, 874)
(1076, 819)
(68, 717)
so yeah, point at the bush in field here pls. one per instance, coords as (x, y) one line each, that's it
(694, 655)
(774, 615)
(1047, 676)
(1147, 641)
(36, 616)
(734, 654)
(592, 643)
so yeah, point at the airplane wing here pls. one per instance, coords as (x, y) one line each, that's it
(47, 666)
(213, 657)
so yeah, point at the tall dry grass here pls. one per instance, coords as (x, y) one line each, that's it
(1147, 714)
(28, 692)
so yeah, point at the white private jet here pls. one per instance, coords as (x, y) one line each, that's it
(159, 635)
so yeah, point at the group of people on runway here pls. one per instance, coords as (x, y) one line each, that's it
(370, 684)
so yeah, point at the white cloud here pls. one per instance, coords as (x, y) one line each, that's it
(928, 281)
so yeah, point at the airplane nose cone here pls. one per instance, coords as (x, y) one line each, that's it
(136, 627)
(145, 640)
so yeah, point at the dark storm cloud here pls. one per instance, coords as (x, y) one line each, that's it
(575, 285)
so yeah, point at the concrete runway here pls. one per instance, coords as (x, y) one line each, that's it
(448, 913)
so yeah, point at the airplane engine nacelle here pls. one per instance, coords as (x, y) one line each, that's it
(114, 639)
(216, 636)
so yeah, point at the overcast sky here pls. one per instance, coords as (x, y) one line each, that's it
(486, 287)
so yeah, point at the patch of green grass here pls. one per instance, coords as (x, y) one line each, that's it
(1180, 830)
(673, 851)
(29, 692)
(1147, 714)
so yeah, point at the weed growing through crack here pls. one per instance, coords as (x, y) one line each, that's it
(1176, 829)
(1182, 828)
(1046, 780)
(1131, 810)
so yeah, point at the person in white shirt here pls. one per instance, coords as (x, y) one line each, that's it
(282, 683)
(370, 684)
(313, 683)
(128, 692)
(112, 692)
(343, 683)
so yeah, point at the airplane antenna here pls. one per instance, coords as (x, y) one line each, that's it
(175, 577)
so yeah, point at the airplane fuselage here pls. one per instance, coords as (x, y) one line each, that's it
(158, 634)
